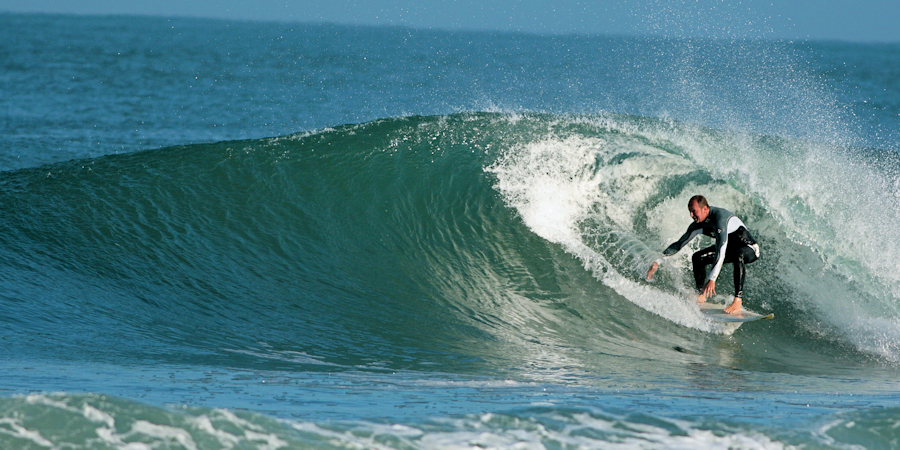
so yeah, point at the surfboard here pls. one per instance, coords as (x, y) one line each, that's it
(716, 312)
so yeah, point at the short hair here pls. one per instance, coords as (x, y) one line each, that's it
(701, 200)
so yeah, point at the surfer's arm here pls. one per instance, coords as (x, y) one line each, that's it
(676, 246)
(652, 271)
(721, 245)
(731, 224)
(691, 233)
(709, 289)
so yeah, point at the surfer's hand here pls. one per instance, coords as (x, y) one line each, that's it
(709, 289)
(652, 271)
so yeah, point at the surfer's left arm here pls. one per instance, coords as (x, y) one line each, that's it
(709, 289)
(724, 225)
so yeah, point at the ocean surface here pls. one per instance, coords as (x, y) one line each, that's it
(219, 235)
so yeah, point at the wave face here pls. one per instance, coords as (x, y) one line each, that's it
(469, 243)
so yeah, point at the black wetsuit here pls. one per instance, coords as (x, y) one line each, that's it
(734, 244)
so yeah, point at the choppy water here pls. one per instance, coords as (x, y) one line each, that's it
(237, 235)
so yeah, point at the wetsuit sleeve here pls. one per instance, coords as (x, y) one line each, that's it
(691, 233)
(721, 244)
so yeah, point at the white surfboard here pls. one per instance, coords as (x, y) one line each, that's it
(716, 312)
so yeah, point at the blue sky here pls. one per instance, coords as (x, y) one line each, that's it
(861, 20)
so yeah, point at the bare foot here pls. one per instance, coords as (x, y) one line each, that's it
(701, 298)
(653, 268)
(735, 306)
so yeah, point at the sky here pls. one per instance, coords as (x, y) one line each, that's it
(845, 20)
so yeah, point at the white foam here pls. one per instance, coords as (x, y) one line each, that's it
(12, 427)
(164, 433)
(501, 431)
(95, 415)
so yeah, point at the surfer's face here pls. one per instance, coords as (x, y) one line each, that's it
(698, 213)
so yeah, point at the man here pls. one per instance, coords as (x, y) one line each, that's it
(733, 245)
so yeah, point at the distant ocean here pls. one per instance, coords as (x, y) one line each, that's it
(235, 235)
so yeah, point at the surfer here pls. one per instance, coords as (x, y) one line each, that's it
(733, 245)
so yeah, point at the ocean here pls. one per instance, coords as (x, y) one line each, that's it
(233, 235)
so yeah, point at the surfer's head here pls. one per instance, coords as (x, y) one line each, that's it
(699, 208)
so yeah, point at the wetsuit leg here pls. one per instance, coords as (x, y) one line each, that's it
(737, 254)
(743, 255)
(700, 260)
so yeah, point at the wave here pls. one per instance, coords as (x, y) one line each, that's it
(470, 243)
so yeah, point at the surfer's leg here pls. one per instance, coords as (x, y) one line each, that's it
(739, 273)
(745, 255)
(700, 260)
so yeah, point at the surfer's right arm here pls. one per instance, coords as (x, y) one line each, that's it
(691, 233)
(653, 268)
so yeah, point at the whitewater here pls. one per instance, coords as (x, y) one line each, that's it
(224, 234)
